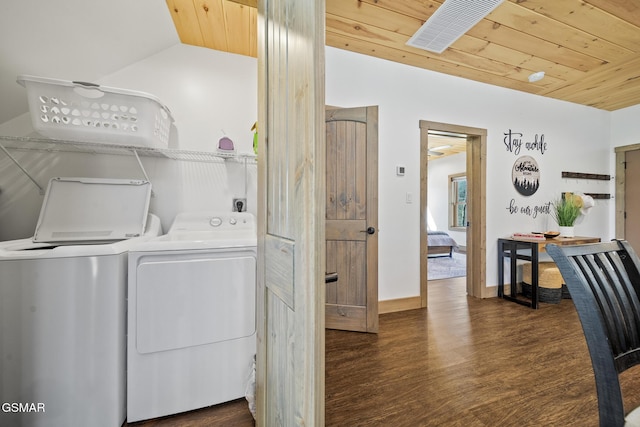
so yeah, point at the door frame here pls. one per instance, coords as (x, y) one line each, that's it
(621, 153)
(476, 193)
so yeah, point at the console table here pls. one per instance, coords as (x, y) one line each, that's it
(529, 251)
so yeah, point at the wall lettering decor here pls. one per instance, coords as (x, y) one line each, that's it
(525, 175)
(531, 211)
(514, 142)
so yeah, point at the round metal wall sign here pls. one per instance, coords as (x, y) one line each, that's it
(526, 175)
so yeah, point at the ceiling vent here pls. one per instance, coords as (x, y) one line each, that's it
(449, 22)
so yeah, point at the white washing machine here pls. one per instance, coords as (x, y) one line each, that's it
(63, 305)
(191, 318)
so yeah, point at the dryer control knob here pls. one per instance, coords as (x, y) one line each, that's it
(233, 221)
(215, 221)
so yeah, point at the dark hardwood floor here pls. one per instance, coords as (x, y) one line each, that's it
(463, 362)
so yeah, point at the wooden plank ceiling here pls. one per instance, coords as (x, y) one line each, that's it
(589, 49)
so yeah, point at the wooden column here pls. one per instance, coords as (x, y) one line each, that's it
(291, 197)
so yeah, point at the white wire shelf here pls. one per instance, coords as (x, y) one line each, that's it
(53, 145)
(16, 143)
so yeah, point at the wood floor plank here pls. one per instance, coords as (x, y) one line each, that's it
(463, 362)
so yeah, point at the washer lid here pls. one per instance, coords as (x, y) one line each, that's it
(90, 210)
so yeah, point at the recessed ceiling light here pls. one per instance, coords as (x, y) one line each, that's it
(534, 77)
(450, 21)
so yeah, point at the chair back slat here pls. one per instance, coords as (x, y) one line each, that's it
(603, 280)
(597, 283)
(629, 303)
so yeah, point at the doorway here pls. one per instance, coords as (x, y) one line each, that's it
(476, 205)
(446, 206)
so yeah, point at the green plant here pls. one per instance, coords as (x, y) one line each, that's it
(566, 210)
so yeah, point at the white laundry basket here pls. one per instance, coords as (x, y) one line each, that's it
(80, 111)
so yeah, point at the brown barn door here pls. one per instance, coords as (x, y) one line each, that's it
(352, 218)
(632, 199)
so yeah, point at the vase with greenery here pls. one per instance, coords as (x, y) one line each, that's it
(565, 211)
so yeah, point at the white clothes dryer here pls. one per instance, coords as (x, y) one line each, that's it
(63, 305)
(191, 318)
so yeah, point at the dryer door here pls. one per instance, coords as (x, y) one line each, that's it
(190, 299)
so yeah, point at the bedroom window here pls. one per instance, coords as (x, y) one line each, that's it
(458, 201)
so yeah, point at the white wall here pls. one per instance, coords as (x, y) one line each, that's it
(625, 127)
(438, 192)
(206, 91)
(577, 140)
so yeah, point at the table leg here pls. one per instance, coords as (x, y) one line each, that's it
(534, 275)
(513, 272)
(500, 269)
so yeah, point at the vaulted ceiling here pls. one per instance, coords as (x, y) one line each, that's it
(588, 49)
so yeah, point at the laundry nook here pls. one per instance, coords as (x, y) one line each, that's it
(97, 328)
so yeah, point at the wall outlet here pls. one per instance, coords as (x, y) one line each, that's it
(239, 205)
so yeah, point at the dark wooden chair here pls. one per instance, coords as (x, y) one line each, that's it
(604, 282)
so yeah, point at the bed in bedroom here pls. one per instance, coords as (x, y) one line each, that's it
(440, 243)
